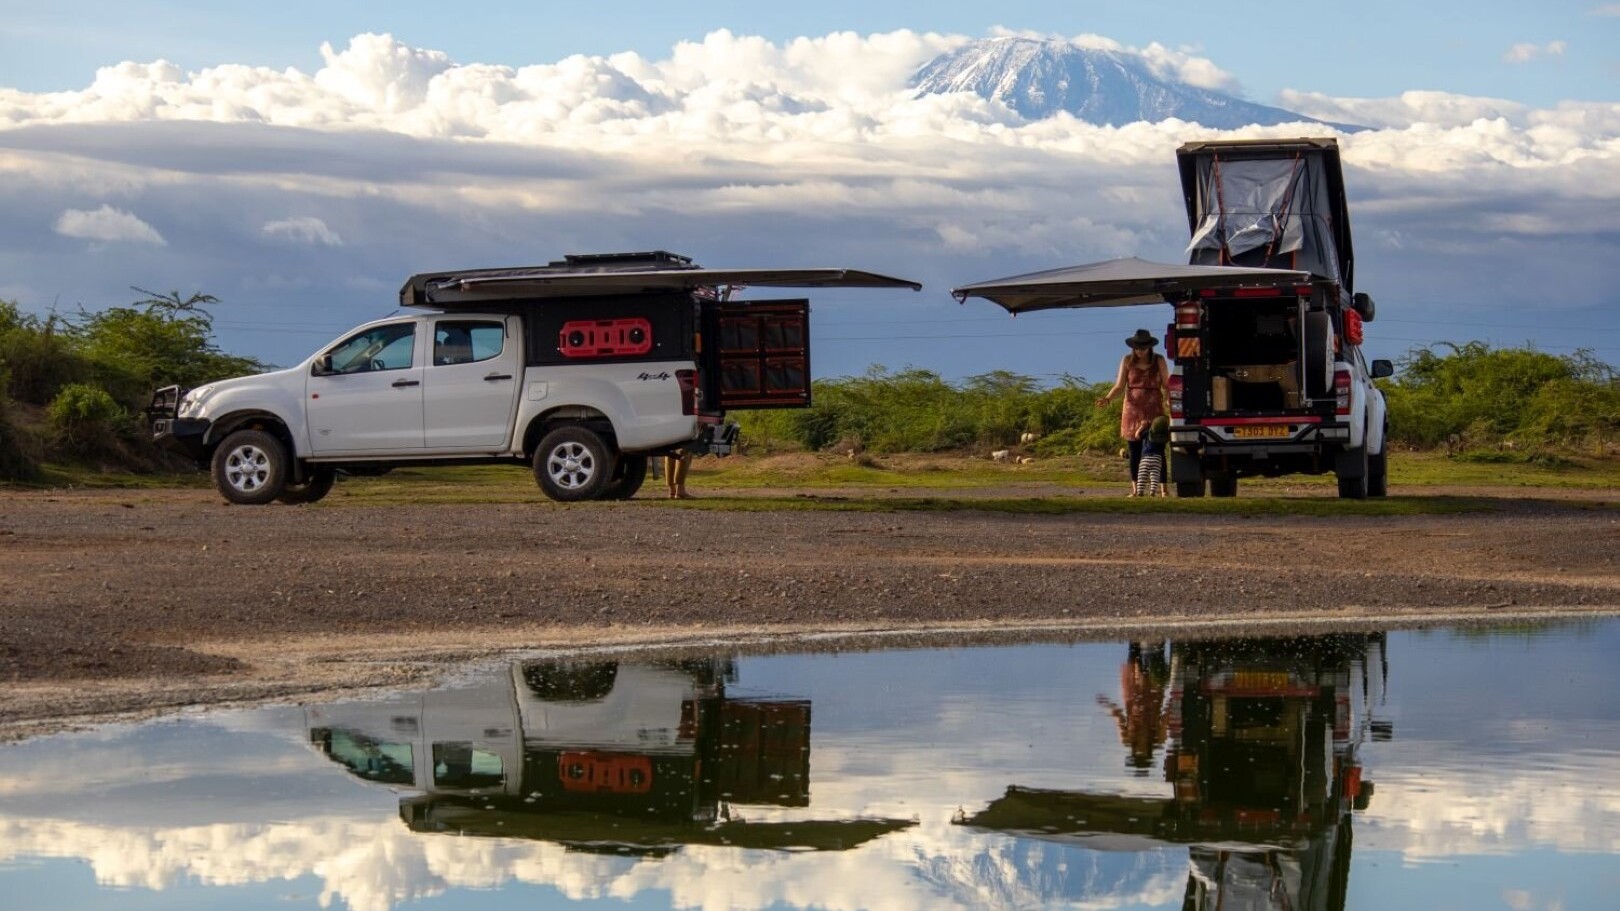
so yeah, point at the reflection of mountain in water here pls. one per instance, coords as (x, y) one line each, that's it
(1029, 873)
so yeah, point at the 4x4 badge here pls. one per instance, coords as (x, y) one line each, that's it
(652, 376)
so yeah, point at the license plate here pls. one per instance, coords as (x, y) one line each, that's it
(1251, 431)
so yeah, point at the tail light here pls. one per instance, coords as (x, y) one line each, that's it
(1177, 411)
(689, 390)
(1187, 316)
(1341, 392)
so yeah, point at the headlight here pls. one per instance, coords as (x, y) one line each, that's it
(192, 401)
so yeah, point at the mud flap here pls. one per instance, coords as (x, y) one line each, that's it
(1350, 463)
(1185, 466)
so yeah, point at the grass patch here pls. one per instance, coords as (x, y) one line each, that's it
(57, 476)
(932, 482)
(1485, 469)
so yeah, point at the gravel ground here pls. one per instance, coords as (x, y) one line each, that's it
(133, 601)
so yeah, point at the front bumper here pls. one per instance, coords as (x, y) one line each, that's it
(187, 436)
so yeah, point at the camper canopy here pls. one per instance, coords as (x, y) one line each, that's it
(619, 274)
(1117, 283)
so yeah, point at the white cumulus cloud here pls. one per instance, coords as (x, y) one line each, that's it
(303, 229)
(1525, 52)
(107, 224)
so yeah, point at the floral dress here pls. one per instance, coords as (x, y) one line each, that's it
(1144, 395)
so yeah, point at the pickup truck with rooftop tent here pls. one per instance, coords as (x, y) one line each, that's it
(583, 368)
(1267, 373)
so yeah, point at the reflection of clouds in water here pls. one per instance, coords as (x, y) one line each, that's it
(374, 866)
(1452, 811)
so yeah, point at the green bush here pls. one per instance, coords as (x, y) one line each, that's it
(1478, 396)
(918, 411)
(39, 354)
(16, 460)
(86, 418)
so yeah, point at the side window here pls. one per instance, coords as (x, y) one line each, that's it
(467, 341)
(380, 348)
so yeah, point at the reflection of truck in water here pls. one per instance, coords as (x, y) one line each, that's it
(1263, 769)
(601, 755)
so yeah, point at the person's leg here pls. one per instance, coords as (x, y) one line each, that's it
(679, 474)
(1135, 448)
(671, 463)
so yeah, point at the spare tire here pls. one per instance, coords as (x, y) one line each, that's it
(1318, 355)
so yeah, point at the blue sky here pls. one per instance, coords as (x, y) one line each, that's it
(300, 160)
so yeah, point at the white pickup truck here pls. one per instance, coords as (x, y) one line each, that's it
(582, 368)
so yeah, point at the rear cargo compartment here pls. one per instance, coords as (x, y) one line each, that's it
(1254, 356)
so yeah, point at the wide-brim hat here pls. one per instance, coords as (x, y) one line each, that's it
(1142, 339)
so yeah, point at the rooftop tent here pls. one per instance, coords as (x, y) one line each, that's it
(1116, 283)
(1268, 203)
(618, 274)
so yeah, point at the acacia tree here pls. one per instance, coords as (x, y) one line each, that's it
(157, 340)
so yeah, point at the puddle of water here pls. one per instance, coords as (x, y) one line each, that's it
(1447, 769)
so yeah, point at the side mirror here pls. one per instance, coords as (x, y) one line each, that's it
(323, 366)
(1363, 304)
(1382, 368)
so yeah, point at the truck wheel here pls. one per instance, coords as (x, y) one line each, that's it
(1223, 486)
(627, 478)
(1378, 474)
(1354, 488)
(1188, 489)
(317, 485)
(573, 463)
(250, 468)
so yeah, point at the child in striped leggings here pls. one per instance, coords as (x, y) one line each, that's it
(1150, 479)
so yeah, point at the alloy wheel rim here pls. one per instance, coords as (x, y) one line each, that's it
(571, 465)
(247, 468)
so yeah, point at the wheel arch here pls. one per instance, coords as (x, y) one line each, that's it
(582, 415)
(252, 419)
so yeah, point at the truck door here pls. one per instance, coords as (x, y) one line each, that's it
(365, 393)
(764, 354)
(471, 382)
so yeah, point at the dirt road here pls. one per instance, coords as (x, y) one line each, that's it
(121, 601)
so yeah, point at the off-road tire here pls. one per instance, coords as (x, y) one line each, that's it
(1188, 489)
(316, 486)
(573, 463)
(627, 478)
(250, 468)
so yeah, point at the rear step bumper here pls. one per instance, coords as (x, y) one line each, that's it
(1243, 436)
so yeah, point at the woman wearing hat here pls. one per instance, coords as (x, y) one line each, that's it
(1144, 377)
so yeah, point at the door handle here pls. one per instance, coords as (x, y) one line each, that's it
(402, 384)
(497, 377)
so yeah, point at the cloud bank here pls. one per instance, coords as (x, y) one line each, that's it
(737, 149)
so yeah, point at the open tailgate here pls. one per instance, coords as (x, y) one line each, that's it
(1118, 283)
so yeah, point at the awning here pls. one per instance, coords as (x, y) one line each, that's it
(435, 289)
(1117, 283)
